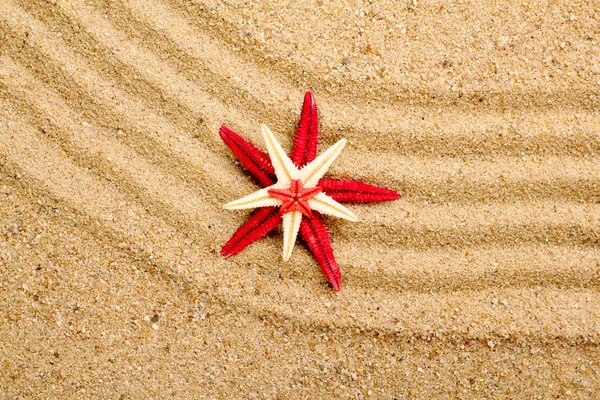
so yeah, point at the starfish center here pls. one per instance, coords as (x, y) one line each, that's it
(295, 198)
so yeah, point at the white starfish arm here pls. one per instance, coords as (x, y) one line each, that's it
(315, 170)
(326, 205)
(284, 167)
(260, 198)
(291, 226)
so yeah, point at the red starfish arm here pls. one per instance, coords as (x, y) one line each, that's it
(282, 194)
(349, 191)
(304, 207)
(315, 234)
(310, 192)
(286, 207)
(261, 222)
(256, 161)
(307, 133)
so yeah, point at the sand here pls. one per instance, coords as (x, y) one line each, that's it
(481, 282)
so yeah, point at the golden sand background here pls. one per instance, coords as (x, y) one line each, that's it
(482, 282)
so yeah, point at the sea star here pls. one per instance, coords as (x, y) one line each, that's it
(295, 198)
(294, 189)
(290, 181)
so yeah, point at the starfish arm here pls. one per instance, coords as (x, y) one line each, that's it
(304, 207)
(291, 225)
(282, 194)
(260, 198)
(315, 170)
(287, 207)
(310, 192)
(307, 133)
(349, 191)
(315, 234)
(326, 205)
(261, 222)
(285, 169)
(256, 161)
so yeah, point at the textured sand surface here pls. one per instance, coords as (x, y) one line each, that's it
(481, 282)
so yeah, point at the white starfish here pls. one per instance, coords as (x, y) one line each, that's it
(287, 182)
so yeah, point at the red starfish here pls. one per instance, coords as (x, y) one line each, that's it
(312, 229)
(295, 198)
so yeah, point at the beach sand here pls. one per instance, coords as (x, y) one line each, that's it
(481, 282)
